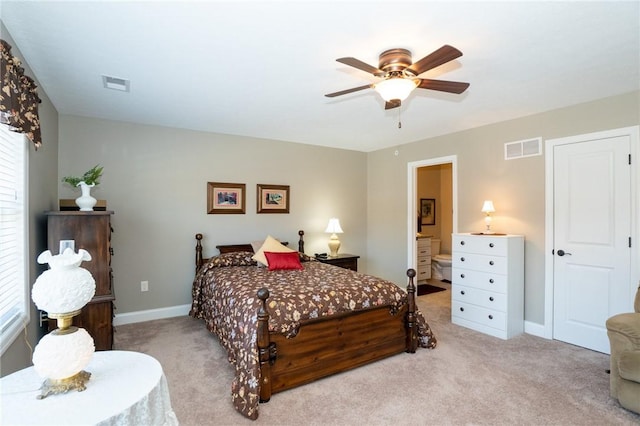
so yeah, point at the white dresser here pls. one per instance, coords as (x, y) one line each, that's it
(423, 261)
(488, 283)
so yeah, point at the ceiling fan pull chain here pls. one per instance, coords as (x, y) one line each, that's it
(400, 117)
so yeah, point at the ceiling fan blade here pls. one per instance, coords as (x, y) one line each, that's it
(443, 86)
(344, 92)
(441, 56)
(356, 63)
(393, 103)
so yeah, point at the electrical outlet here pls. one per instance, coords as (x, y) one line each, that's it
(144, 285)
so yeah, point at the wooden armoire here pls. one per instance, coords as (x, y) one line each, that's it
(90, 231)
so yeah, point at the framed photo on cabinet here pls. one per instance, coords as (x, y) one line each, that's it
(273, 198)
(225, 198)
(428, 211)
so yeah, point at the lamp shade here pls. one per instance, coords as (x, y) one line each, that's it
(396, 88)
(334, 226)
(66, 287)
(487, 207)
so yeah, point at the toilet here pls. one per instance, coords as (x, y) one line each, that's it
(440, 263)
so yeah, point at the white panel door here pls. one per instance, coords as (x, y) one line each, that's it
(592, 227)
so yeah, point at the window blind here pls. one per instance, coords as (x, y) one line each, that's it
(14, 288)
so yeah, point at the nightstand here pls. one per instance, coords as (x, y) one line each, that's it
(347, 261)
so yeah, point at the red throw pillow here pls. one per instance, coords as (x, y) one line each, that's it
(278, 261)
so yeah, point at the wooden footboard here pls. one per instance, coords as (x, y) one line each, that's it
(331, 345)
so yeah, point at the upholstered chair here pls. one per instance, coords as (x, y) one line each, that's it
(624, 337)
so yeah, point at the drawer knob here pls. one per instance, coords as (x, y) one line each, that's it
(461, 309)
(491, 245)
(461, 243)
(491, 262)
(491, 280)
(461, 275)
(462, 259)
(462, 292)
(490, 316)
(491, 298)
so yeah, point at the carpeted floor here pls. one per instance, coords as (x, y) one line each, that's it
(469, 379)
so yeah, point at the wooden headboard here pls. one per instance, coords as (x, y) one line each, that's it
(230, 248)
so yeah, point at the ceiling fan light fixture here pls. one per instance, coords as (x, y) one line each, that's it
(396, 88)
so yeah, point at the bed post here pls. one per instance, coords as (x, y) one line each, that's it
(301, 241)
(412, 332)
(198, 252)
(266, 350)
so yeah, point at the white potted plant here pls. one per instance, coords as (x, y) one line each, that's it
(87, 181)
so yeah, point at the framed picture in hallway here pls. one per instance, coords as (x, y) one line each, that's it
(428, 211)
(225, 198)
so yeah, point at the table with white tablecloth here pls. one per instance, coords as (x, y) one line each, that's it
(125, 388)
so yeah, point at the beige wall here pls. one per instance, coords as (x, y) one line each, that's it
(155, 179)
(43, 173)
(516, 186)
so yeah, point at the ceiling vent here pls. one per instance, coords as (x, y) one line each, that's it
(524, 148)
(115, 83)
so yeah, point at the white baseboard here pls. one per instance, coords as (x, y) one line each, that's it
(151, 314)
(534, 329)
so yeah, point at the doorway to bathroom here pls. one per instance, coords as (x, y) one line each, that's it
(432, 184)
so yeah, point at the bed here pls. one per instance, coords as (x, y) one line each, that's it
(283, 328)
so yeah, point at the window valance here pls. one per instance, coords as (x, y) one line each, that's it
(18, 97)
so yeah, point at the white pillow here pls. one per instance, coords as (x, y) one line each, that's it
(272, 245)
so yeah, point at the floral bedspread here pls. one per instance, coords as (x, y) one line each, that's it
(224, 295)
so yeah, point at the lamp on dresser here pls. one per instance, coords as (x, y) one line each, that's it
(487, 209)
(334, 228)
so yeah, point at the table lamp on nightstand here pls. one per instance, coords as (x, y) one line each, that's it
(334, 228)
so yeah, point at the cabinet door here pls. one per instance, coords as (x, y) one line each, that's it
(97, 318)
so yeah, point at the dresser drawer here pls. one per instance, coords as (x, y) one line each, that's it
(488, 299)
(479, 315)
(423, 274)
(424, 262)
(479, 262)
(480, 244)
(423, 250)
(482, 280)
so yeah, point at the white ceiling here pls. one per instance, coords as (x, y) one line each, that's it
(261, 68)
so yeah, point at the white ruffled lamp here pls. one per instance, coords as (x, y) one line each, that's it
(62, 291)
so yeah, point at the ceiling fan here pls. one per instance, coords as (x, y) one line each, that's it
(400, 75)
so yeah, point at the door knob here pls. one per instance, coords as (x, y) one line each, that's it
(562, 253)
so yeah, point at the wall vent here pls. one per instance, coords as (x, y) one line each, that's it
(115, 83)
(524, 148)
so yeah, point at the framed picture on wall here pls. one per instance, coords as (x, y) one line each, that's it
(225, 198)
(273, 198)
(428, 211)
